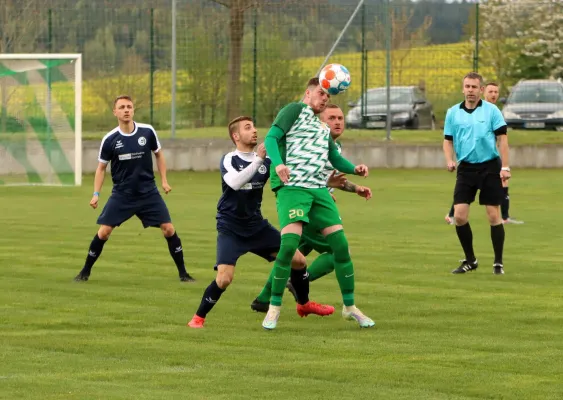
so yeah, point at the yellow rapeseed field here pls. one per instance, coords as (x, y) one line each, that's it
(440, 67)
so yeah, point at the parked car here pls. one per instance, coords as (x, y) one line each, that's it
(535, 104)
(409, 109)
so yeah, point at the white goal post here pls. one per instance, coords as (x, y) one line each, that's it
(41, 119)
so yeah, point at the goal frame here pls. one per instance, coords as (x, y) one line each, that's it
(77, 57)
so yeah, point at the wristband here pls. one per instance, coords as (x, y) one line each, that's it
(97, 194)
(507, 169)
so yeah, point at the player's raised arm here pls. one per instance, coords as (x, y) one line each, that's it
(237, 179)
(339, 162)
(282, 125)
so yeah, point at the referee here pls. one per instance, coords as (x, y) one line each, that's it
(473, 129)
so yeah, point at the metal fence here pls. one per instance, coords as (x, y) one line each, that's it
(197, 63)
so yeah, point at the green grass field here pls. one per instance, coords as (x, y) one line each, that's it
(122, 335)
(516, 137)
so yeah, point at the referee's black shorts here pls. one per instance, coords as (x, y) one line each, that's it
(484, 177)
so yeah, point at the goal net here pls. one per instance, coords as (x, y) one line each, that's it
(40, 119)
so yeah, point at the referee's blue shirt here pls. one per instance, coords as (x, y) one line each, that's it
(473, 131)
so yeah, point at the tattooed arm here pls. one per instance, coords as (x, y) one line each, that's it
(362, 191)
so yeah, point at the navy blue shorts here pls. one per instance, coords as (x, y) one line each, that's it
(231, 247)
(150, 209)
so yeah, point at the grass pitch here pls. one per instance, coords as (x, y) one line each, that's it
(122, 335)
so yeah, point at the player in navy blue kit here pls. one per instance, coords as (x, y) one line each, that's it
(129, 149)
(240, 225)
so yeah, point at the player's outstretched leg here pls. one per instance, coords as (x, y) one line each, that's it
(321, 266)
(344, 270)
(281, 272)
(176, 251)
(94, 252)
(212, 293)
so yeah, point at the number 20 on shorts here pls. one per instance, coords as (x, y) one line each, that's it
(295, 213)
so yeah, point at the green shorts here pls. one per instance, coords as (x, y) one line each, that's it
(311, 206)
(312, 239)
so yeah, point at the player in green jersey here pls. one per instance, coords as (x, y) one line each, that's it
(300, 146)
(311, 239)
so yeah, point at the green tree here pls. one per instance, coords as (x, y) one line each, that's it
(280, 79)
(546, 33)
(203, 54)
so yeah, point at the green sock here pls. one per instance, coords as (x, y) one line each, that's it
(266, 293)
(282, 266)
(343, 267)
(323, 264)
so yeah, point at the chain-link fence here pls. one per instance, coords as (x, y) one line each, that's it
(251, 57)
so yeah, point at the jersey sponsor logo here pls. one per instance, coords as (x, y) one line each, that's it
(262, 169)
(131, 156)
(142, 141)
(246, 186)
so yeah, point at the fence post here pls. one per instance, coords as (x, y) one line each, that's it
(255, 61)
(388, 33)
(173, 112)
(151, 77)
(476, 54)
(364, 69)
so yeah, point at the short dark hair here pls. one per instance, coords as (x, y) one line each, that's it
(313, 82)
(332, 105)
(473, 75)
(492, 84)
(234, 125)
(122, 97)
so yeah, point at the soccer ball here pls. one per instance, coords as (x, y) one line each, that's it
(334, 79)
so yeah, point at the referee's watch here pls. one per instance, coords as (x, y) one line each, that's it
(507, 169)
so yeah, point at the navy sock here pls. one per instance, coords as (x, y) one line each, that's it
(300, 281)
(210, 298)
(96, 247)
(175, 249)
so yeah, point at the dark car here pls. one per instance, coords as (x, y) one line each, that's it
(535, 104)
(409, 109)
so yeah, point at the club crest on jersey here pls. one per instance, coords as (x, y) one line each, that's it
(142, 141)
(262, 169)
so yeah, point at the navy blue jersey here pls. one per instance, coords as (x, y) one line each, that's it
(243, 176)
(130, 155)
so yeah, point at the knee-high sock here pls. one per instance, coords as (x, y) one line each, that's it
(282, 266)
(177, 253)
(505, 205)
(266, 293)
(300, 281)
(343, 266)
(323, 265)
(497, 237)
(210, 298)
(94, 252)
(465, 236)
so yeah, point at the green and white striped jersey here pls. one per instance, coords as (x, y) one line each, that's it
(304, 148)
